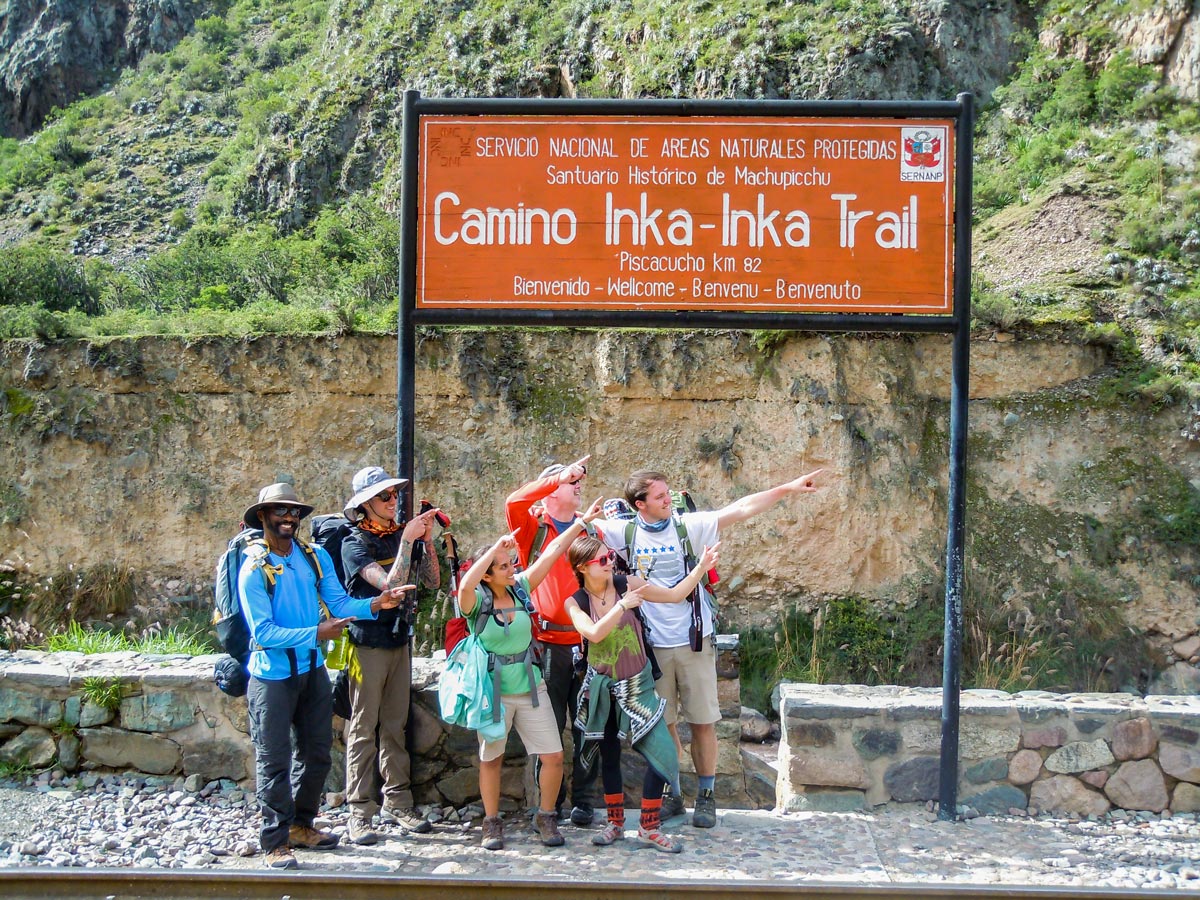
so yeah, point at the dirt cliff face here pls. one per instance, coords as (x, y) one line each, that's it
(147, 451)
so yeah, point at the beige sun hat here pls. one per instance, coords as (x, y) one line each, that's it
(281, 494)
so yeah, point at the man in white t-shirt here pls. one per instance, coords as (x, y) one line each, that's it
(689, 677)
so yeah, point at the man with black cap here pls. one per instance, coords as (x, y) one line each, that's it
(289, 695)
(538, 512)
(378, 555)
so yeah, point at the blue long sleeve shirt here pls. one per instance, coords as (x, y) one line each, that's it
(290, 620)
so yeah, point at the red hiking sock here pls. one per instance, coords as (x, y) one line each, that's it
(616, 808)
(651, 814)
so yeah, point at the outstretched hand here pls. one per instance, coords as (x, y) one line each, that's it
(420, 527)
(708, 559)
(574, 471)
(809, 483)
(593, 512)
(507, 545)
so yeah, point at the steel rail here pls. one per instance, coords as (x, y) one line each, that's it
(117, 884)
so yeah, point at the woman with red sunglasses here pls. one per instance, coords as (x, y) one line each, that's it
(617, 700)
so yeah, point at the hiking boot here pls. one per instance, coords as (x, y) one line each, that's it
(705, 814)
(493, 833)
(658, 841)
(672, 806)
(612, 832)
(547, 829)
(582, 816)
(307, 838)
(280, 857)
(360, 832)
(409, 820)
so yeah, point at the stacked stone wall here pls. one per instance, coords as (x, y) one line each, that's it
(172, 720)
(853, 747)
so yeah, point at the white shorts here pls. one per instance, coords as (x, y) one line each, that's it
(535, 724)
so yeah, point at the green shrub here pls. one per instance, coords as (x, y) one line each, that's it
(1119, 84)
(33, 275)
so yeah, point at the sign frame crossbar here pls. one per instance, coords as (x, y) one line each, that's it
(957, 324)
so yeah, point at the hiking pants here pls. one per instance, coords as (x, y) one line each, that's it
(379, 705)
(562, 687)
(290, 785)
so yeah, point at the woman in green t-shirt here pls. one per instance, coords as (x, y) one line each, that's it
(507, 632)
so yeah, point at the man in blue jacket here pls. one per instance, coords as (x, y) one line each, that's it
(283, 585)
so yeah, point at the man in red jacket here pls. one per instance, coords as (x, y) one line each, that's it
(538, 512)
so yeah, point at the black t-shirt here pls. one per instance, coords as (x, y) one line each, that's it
(360, 549)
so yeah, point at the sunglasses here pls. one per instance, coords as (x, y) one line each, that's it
(387, 496)
(606, 560)
(285, 512)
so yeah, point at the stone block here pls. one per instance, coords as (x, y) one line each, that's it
(1176, 734)
(1034, 738)
(92, 714)
(1185, 798)
(809, 734)
(1139, 785)
(160, 712)
(997, 801)
(994, 769)
(28, 707)
(755, 727)
(1097, 778)
(460, 787)
(68, 752)
(914, 779)
(875, 743)
(829, 769)
(425, 730)
(729, 697)
(119, 749)
(219, 759)
(1024, 767)
(826, 801)
(33, 747)
(1067, 796)
(1180, 762)
(1134, 739)
(1079, 756)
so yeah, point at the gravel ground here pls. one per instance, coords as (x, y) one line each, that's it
(150, 822)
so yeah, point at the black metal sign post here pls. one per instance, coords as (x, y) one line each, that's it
(957, 324)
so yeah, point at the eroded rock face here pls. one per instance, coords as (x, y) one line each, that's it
(147, 452)
(56, 51)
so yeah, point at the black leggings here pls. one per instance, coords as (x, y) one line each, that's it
(610, 764)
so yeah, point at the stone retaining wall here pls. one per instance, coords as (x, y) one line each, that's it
(172, 720)
(851, 747)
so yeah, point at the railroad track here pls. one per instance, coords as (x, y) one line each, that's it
(116, 884)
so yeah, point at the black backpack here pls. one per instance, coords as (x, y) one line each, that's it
(230, 673)
(329, 531)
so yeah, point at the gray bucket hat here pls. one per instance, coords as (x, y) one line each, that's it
(366, 484)
(281, 494)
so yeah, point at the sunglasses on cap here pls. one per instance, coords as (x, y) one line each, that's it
(284, 512)
(606, 560)
(388, 496)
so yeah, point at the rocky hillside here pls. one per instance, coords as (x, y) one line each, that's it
(232, 167)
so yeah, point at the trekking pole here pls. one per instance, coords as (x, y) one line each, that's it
(451, 547)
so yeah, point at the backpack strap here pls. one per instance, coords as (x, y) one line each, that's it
(539, 539)
(258, 552)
